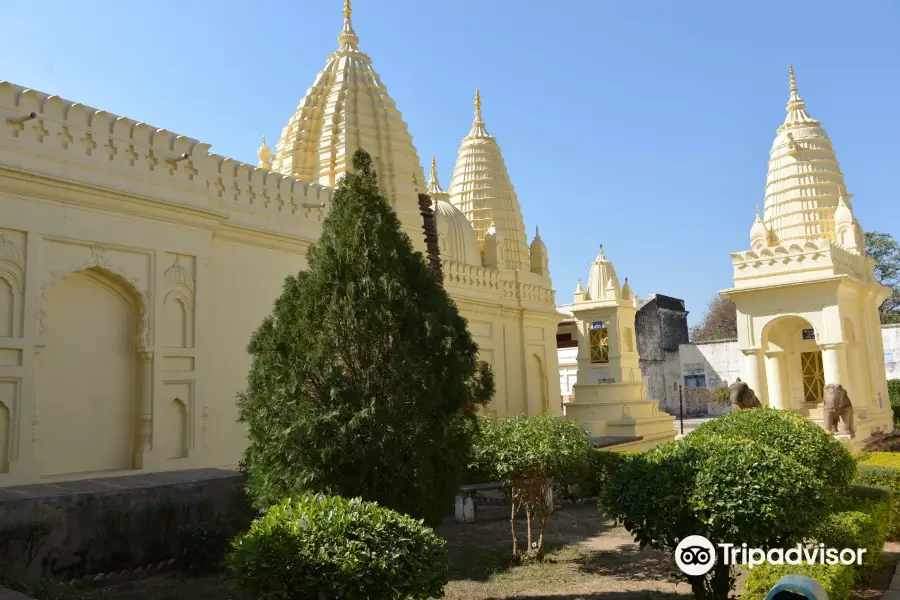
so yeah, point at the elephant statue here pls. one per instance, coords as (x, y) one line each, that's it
(837, 410)
(742, 396)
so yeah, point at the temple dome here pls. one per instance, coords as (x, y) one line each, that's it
(482, 190)
(804, 177)
(348, 107)
(457, 238)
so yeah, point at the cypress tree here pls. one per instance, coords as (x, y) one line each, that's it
(364, 378)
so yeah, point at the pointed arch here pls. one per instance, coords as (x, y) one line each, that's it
(117, 273)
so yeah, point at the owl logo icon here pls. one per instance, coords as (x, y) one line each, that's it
(695, 555)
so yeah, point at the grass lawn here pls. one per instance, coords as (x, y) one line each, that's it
(588, 559)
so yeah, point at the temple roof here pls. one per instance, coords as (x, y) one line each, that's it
(348, 107)
(482, 190)
(804, 178)
(603, 283)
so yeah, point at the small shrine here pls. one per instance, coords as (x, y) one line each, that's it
(610, 398)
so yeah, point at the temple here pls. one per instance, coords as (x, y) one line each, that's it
(610, 394)
(806, 295)
(135, 264)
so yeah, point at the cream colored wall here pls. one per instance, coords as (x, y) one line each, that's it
(842, 310)
(130, 283)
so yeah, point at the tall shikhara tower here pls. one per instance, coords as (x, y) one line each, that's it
(482, 190)
(348, 107)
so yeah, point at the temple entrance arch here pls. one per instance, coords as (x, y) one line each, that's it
(795, 373)
(87, 375)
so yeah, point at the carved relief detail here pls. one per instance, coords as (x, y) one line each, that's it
(12, 263)
(99, 260)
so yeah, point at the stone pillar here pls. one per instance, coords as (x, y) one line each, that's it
(144, 440)
(753, 374)
(774, 377)
(834, 363)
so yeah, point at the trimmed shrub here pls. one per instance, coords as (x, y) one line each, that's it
(889, 477)
(202, 547)
(793, 435)
(602, 466)
(837, 580)
(331, 547)
(726, 489)
(881, 459)
(863, 528)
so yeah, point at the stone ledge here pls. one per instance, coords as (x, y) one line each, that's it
(6, 594)
(109, 485)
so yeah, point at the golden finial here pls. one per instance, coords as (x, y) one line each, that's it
(537, 232)
(477, 105)
(757, 213)
(793, 79)
(433, 169)
(347, 10)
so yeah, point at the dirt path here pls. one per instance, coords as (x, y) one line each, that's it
(588, 558)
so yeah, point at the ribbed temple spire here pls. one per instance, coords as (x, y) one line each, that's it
(803, 180)
(478, 129)
(796, 107)
(348, 39)
(482, 190)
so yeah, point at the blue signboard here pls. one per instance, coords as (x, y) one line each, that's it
(597, 325)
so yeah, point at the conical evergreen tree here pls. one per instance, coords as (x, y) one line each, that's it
(364, 378)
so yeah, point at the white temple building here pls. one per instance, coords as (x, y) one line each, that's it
(806, 296)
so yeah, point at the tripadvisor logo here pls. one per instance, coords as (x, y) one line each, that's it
(696, 555)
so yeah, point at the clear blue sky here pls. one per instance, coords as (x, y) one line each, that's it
(642, 125)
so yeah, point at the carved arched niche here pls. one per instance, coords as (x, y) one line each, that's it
(12, 287)
(179, 306)
(103, 275)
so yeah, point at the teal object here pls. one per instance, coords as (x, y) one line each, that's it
(797, 586)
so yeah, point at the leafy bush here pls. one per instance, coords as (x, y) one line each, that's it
(865, 528)
(793, 435)
(202, 546)
(529, 452)
(894, 393)
(330, 547)
(836, 580)
(601, 467)
(364, 378)
(47, 588)
(889, 477)
(726, 489)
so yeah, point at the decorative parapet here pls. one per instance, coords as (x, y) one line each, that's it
(511, 288)
(60, 139)
(811, 258)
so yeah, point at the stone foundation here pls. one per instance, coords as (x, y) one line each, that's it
(116, 523)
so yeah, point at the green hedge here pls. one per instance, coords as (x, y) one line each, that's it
(837, 580)
(889, 477)
(790, 434)
(330, 547)
(865, 526)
